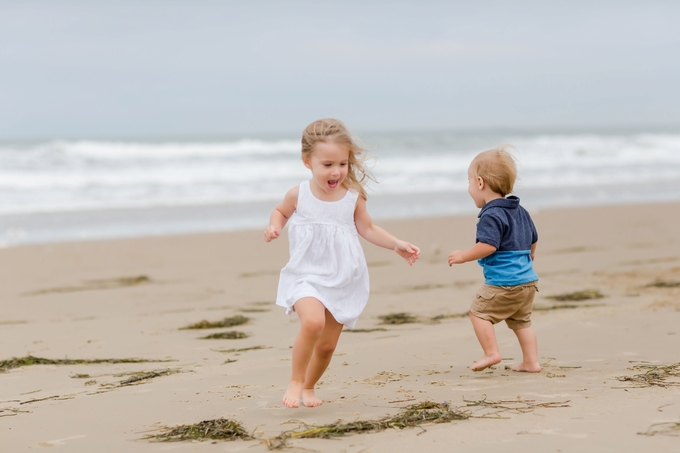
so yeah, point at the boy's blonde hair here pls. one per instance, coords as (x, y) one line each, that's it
(329, 130)
(497, 168)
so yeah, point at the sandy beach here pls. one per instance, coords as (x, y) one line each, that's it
(124, 299)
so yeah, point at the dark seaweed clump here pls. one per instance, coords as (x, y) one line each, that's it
(578, 296)
(226, 322)
(219, 429)
(230, 335)
(654, 376)
(16, 362)
(411, 416)
(663, 284)
(398, 318)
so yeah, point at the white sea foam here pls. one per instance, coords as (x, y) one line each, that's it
(71, 175)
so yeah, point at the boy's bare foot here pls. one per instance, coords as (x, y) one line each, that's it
(526, 368)
(485, 362)
(292, 396)
(310, 399)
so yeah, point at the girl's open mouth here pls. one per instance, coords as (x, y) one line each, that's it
(333, 184)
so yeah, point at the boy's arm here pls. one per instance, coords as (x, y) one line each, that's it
(478, 251)
(533, 251)
(281, 214)
(378, 236)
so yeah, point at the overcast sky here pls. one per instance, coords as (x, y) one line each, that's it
(145, 68)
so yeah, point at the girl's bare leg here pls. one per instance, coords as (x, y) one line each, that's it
(487, 338)
(529, 345)
(312, 321)
(321, 358)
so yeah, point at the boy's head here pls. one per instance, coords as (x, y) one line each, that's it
(497, 169)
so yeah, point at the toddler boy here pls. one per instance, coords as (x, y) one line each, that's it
(505, 248)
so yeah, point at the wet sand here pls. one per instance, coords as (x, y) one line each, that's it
(130, 298)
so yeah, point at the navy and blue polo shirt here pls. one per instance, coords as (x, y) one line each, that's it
(507, 226)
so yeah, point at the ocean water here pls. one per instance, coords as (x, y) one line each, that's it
(64, 190)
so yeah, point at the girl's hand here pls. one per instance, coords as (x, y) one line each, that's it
(456, 257)
(407, 251)
(271, 233)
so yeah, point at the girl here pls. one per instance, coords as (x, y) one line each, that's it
(326, 279)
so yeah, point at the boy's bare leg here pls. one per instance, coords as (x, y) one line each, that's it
(487, 338)
(529, 345)
(321, 358)
(312, 320)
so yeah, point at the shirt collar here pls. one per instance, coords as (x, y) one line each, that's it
(511, 202)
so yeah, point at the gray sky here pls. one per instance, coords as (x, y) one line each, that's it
(168, 68)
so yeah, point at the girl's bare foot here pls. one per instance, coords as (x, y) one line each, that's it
(527, 368)
(485, 362)
(310, 399)
(292, 396)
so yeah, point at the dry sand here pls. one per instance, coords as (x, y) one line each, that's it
(55, 305)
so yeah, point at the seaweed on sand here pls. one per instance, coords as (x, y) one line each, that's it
(518, 405)
(16, 362)
(218, 429)
(663, 284)
(654, 376)
(663, 429)
(563, 307)
(91, 285)
(398, 318)
(576, 296)
(229, 335)
(252, 348)
(438, 318)
(226, 322)
(141, 376)
(411, 416)
(377, 329)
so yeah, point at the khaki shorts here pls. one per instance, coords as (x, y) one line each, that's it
(511, 304)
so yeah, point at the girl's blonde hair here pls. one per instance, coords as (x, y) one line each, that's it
(330, 130)
(497, 168)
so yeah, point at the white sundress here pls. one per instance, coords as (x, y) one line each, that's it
(326, 258)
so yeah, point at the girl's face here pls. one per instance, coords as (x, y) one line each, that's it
(329, 164)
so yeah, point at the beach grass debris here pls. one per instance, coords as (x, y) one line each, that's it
(517, 405)
(11, 412)
(376, 329)
(663, 429)
(17, 362)
(228, 335)
(398, 318)
(226, 322)
(586, 294)
(663, 284)
(563, 307)
(91, 285)
(252, 348)
(449, 316)
(139, 377)
(411, 416)
(254, 310)
(654, 376)
(217, 429)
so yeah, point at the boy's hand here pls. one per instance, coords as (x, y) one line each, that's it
(407, 251)
(271, 233)
(456, 257)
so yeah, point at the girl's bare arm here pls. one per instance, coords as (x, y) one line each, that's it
(281, 214)
(378, 236)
